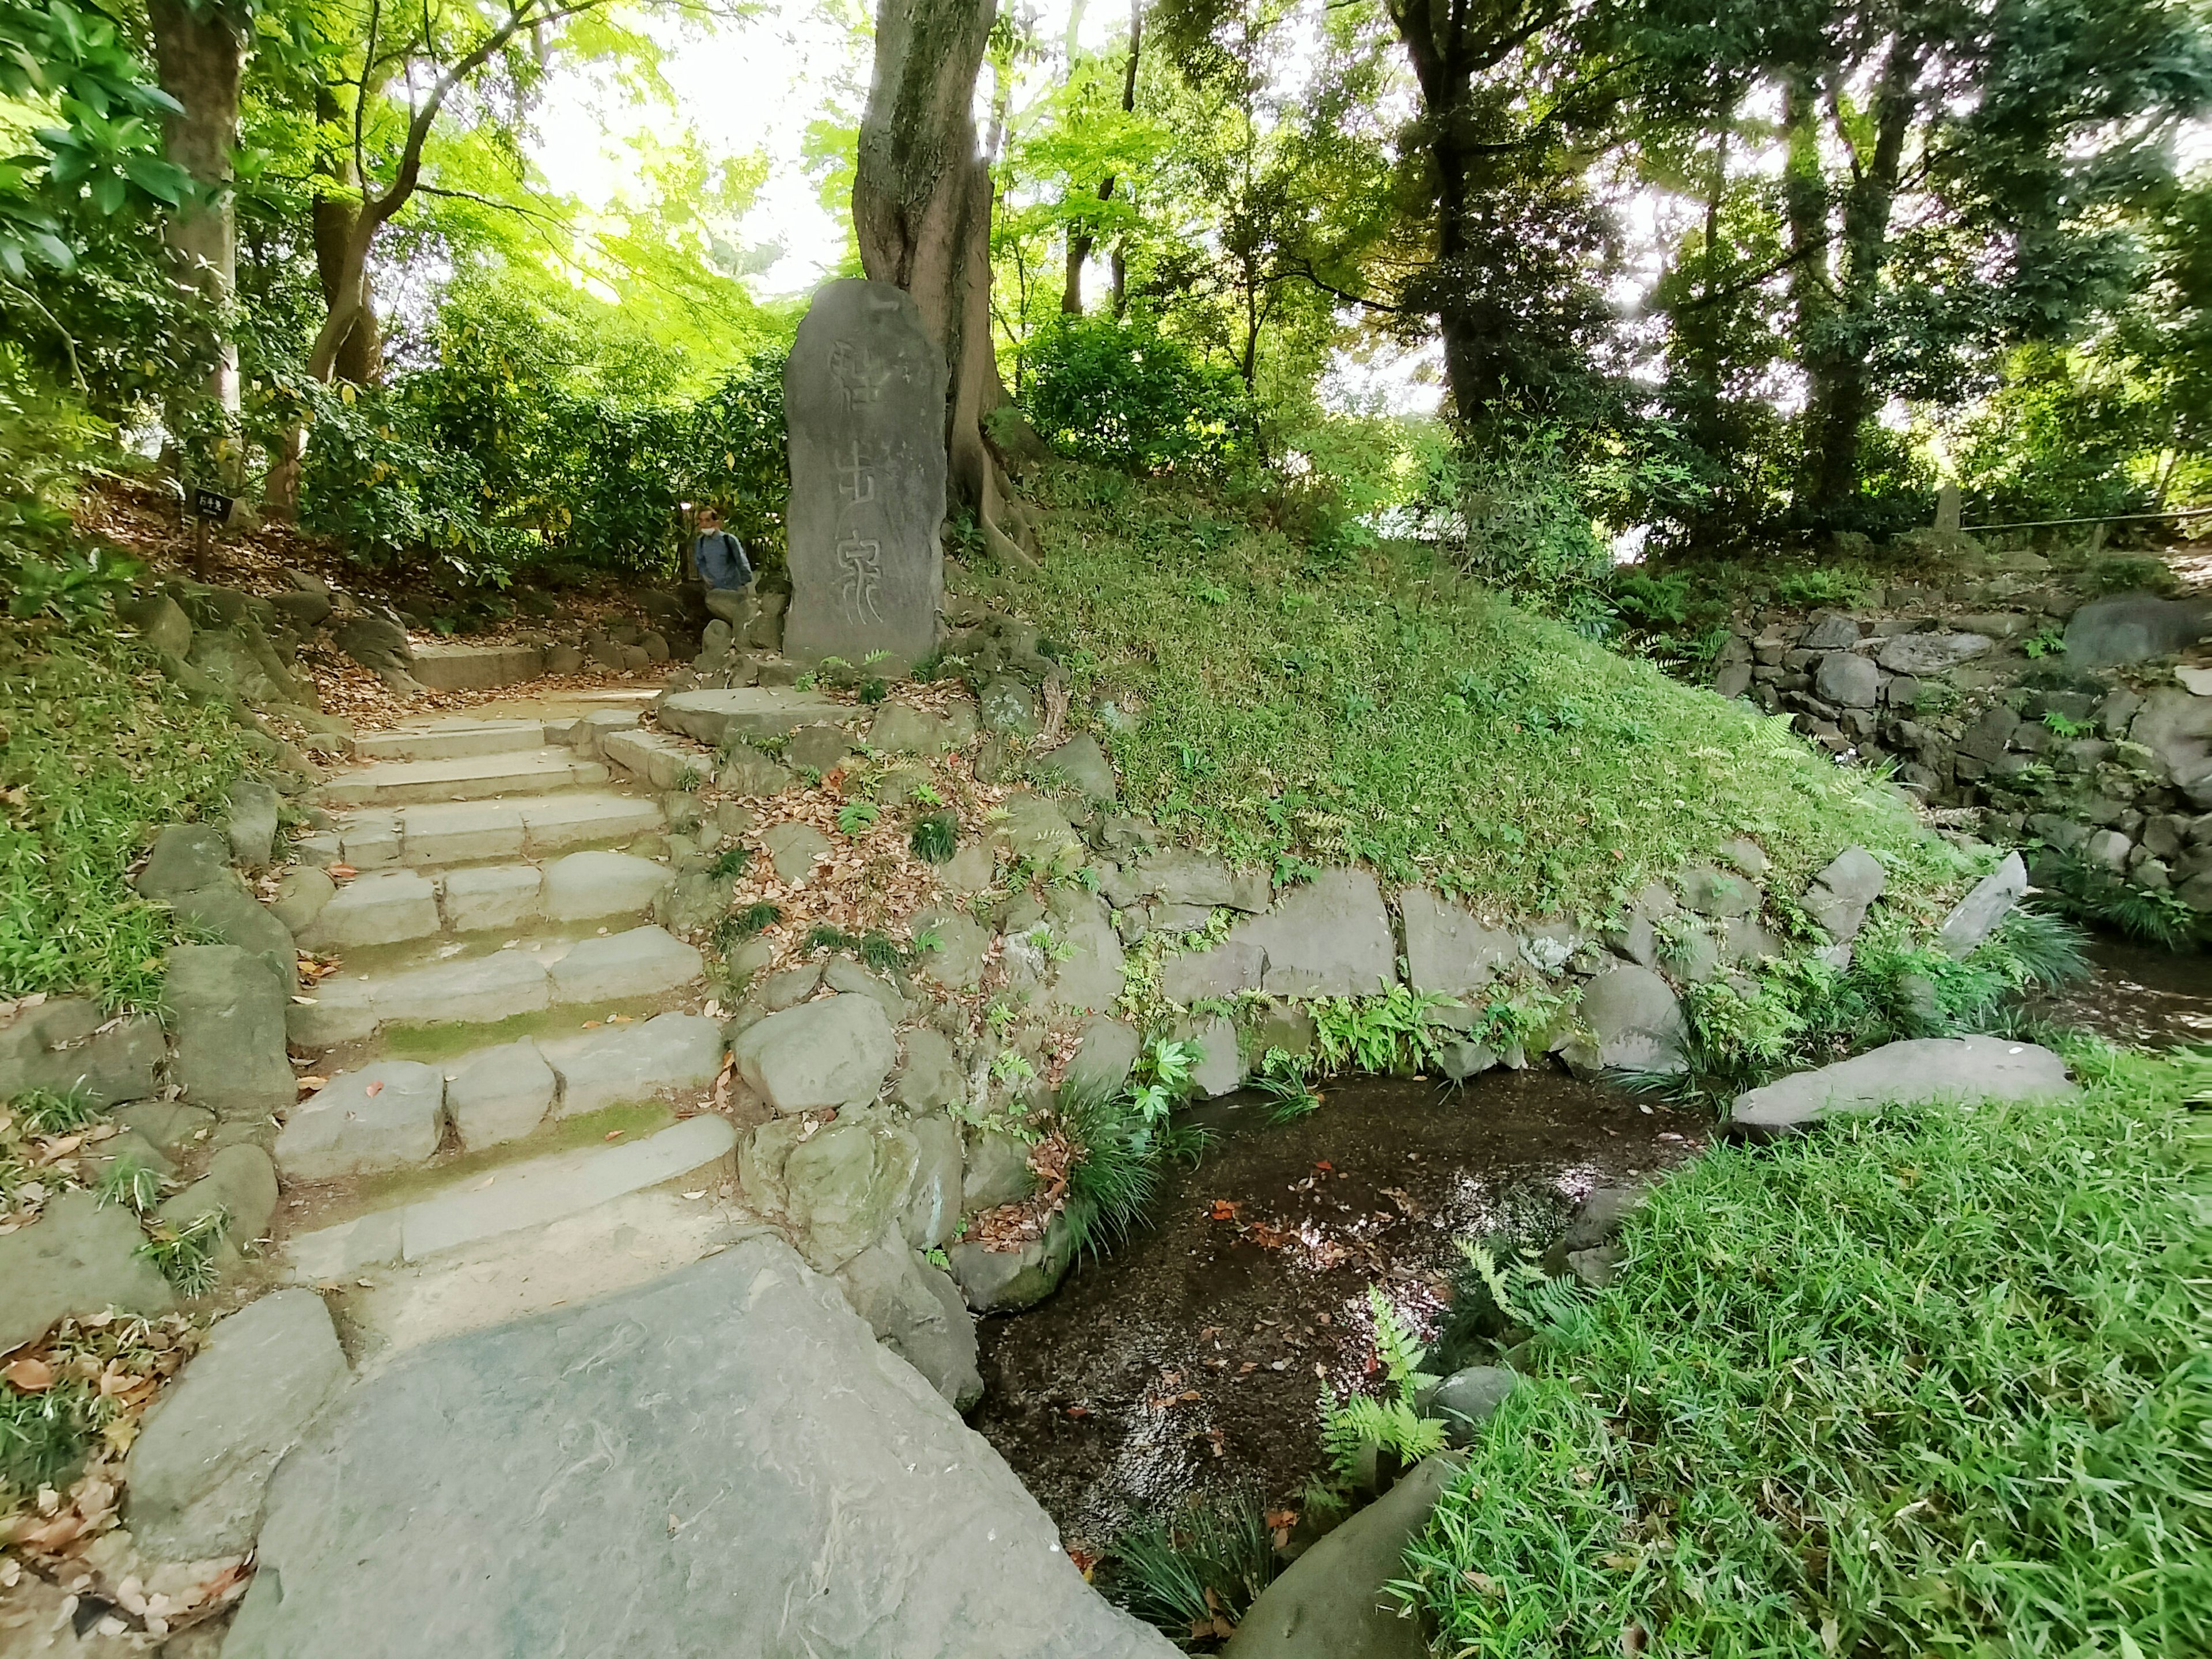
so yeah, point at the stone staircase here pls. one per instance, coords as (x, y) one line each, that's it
(506, 1052)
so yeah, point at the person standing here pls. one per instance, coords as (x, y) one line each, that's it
(720, 559)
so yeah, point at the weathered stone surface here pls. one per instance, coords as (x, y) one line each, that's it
(636, 963)
(1329, 937)
(1007, 1281)
(1467, 1398)
(748, 712)
(1177, 876)
(252, 824)
(1333, 1601)
(863, 395)
(1083, 764)
(225, 909)
(2176, 725)
(997, 1170)
(620, 1063)
(1006, 705)
(384, 1116)
(241, 1182)
(928, 1078)
(1222, 972)
(929, 1215)
(2131, 627)
(1834, 631)
(499, 1094)
(794, 848)
(1220, 1068)
(1841, 893)
(663, 762)
(171, 1126)
(472, 989)
(160, 621)
(1036, 829)
(833, 1052)
(81, 1256)
(376, 642)
(184, 856)
(1846, 677)
(900, 728)
(1105, 1053)
(838, 1190)
(1931, 1068)
(1089, 981)
(956, 961)
(198, 1471)
(843, 974)
(445, 667)
(65, 1046)
(302, 892)
(970, 869)
(1977, 915)
(1447, 949)
(1716, 893)
(790, 988)
(1931, 653)
(916, 1312)
(499, 896)
(1636, 1019)
(382, 907)
(828, 1501)
(586, 886)
(227, 1029)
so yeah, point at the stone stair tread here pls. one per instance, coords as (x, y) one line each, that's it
(448, 739)
(532, 1193)
(399, 782)
(487, 832)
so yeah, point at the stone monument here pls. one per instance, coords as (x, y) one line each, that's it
(864, 400)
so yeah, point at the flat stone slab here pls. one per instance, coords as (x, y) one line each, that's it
(81, 1256)
(636, 963)
(385, 1116)
(469, 777)
(476, 667)
(449, 740)
(498, 896)
(510, 1490)
(655, 758)
(635, 1063)
(382, 907)
(1928, 1068)
(1447, 948)
(754, 712)
(475, 989)
(586, 886)
(472, 832)
(1329, 937)
(499, 1094)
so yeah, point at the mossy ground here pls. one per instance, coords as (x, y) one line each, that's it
(1297, 710)
(95, 746)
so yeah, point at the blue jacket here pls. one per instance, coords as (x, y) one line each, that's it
(720, 559)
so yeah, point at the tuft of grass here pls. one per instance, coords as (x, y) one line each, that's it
(43, 1112)
(1196, 1575)
(739, 926)
(100, 744)
(44, 1435)
(1282, 1079)
(936, 837)
(1517, 761)
(2088, 893)
(186, 1254)
(731, 862)
(1927, 1382)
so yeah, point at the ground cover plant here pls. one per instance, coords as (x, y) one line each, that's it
(1296, 710)
(1929, 1382)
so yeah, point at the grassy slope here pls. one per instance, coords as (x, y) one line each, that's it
(1386, 711)
(97, 746)
(1929, 1384)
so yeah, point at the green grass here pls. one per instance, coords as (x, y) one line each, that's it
(1389, 712)
(97, 747)
(1930, 1383)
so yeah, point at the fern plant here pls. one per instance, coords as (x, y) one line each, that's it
(1394, 1425)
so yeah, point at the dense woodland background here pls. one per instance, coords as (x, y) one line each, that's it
(1744, 275)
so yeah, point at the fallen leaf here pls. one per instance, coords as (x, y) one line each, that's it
(1326, 1165)
(308, 1085)
(1079, 1410)
(340, 871)
(29, 1374)
(1224, 1210)
(613, 1134)
(374, 1089)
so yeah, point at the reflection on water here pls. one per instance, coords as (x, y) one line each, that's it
(2139, 998)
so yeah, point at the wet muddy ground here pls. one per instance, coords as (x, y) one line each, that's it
(1191, 1359)
(2138, 997)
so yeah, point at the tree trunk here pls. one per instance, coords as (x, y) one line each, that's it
(202, 57)
(361, 355)
(921, 209)
(1081, 243)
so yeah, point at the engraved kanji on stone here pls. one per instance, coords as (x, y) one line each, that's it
(860, 373)
(860, 575)
(856, 481)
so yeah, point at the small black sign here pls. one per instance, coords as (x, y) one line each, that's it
(215, 508)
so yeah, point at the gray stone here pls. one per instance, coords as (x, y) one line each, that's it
(81, 1256)
(251, 825)
(1718, 893)
(1180, 877)
(1976, 916)
(724, 718)
(2108, 849)
(997, 1171)
(1105, 1052)
(1335, 1602)
(382, 907)
(225, 909)
(241, 1182)
(586, 886)
(843, 974)
(200, 1469)
(1447, 949)
(226, 1030)
(916, 1312)
(827, 1500)
(820, 748)
(302, 892)
(160, 621)
(385, 1116)
(619, 1063)
(1841, 893)
(184, 858)
(864, 400)
(2176, 726)
(1831, 631)
(1007, 1281)
(1595, 1266)
(65, 1045)
(833, 1052)
(1089, 979)
(376, 642)
(928, 1078)
(1084, 765)
(1221, 972)
(2132, 628)
(1006, 705)
(1922, 654)
(790, 988)
(499, 1094)
(795, 848)
(1036, 829)
(171, 1126)
(929, 1215)
(1467, 1398)
(956, 961)
(1847, 678)
(839, 1189)
(1220, 1068)
(970, 870)
(1329, 937)
(639, 963)
(900, 728)
(472, 990)
(501, 896)
(1928, 1068)
(1636, 1019)
(1599, 1216)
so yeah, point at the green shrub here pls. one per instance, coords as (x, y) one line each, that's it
(1122, 395)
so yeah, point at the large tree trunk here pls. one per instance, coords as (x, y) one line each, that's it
(922, 207)
(202, 57)
(336, 215)
(1081, 242)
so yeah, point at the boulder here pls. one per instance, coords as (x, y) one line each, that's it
(843, 974)
(1082, 764)
(1467, 1398)
(2132, 628)
(1329, 937)
(1928, 1068)
(916, 1312)
(81, 1256)
(170, 1127)
(1105, 1052)
(997, 1170)
(1848, 679)
(900, 728)
(825, 1499)
(241, 1182)
(1006, 705)
(1636, 1020)
(1034, 828)
(833, 1052)
(160, 621)
(1176, 877)
(377, 643)
(200, 1469)
(819, 748)
(1007, 1281)
(620, 1063)
(837, 1189)
(1718, 893)
(710, 717)
(302, 892)
(955, 960)
(499, 1094)
(1922, 654)
(2176, 726)
(1334, 1601)
(1841, 893)
(65, 1045)
(1220, 1068)
(226, 1030)
(1089, 981)
(1447, 949)
(929, 1215)
(928, 1078)
(251, 825)
(384, 1116)
(794, 848)
(185, 857)
(1976, 916)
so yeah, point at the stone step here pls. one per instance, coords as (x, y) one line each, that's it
(536, 1193)
(483, 989)
(486, 831)
(751, 712)
(539, 771)
(476, 667)
(451, 740)
(393, 906)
